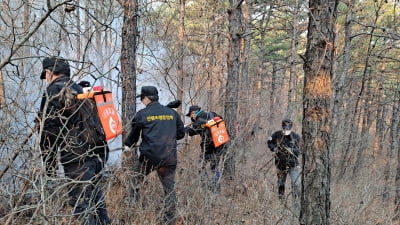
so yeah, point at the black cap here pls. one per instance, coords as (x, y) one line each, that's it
(148, 91)
(287, 124)
(56, 64)
(174, 104)
(84, 83)
(193, 108)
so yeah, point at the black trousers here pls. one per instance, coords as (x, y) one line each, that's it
(212, 157)
(85, 194)
(166, 174)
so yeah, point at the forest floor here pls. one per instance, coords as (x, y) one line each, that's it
(250, 199)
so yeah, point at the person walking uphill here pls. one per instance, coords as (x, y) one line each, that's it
(159, 127)
(61, 134)
(209, 153)
(286, 145)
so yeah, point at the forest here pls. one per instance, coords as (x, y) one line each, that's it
(330, 66)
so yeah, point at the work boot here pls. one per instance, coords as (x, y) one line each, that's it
(217, 177)
(86, 219)
(204, 179)
(281, 192)
(134, 196)
(102, 217)
(169, 219)
(216, 183)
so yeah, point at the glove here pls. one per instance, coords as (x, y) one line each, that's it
(187, 128)
(126, 148)
(131, 149)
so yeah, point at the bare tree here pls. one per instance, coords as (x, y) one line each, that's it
(395, 146)
(181, 48)
(293, 58)
(2, 92)
(232, 85)
(128, 58)
(354, 141)
(318, 69)
(246, 122)
(262, 75)
(340, 80)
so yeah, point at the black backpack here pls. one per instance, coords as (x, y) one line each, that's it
(83, 115)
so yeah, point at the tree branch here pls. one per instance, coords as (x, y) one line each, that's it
(7, 59)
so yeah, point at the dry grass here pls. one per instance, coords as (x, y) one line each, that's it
(249, 199)
(252, 197)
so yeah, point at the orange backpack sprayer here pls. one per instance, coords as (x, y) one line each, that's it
(218, 130)
(109, 117)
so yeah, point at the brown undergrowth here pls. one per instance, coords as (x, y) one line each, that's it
(251, 198)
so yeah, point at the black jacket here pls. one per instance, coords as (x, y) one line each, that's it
(286, 147)
(60, 128)
(198, 128)
(55, 106)
(159, 127)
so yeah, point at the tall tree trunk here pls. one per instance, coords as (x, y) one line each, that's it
(379, 141)
(108, 53)
(395, 146)
(232, 85)
(181, 43)
(27, 24)
(273, 94)
(353, 140)
(87, 22)
(366, 125)
(381, 149)
(245, 124)
(263, 76)
(2, 92)
(318, 68)
(98, 32)
(379, 138)
(292, 61)
(339, 83)
(128, 59)
(211, 59)
(78, 37)
(99, 42)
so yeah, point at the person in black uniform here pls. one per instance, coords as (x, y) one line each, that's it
(286, 145)
(81, 161)
(159, 128)
(209, 153)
